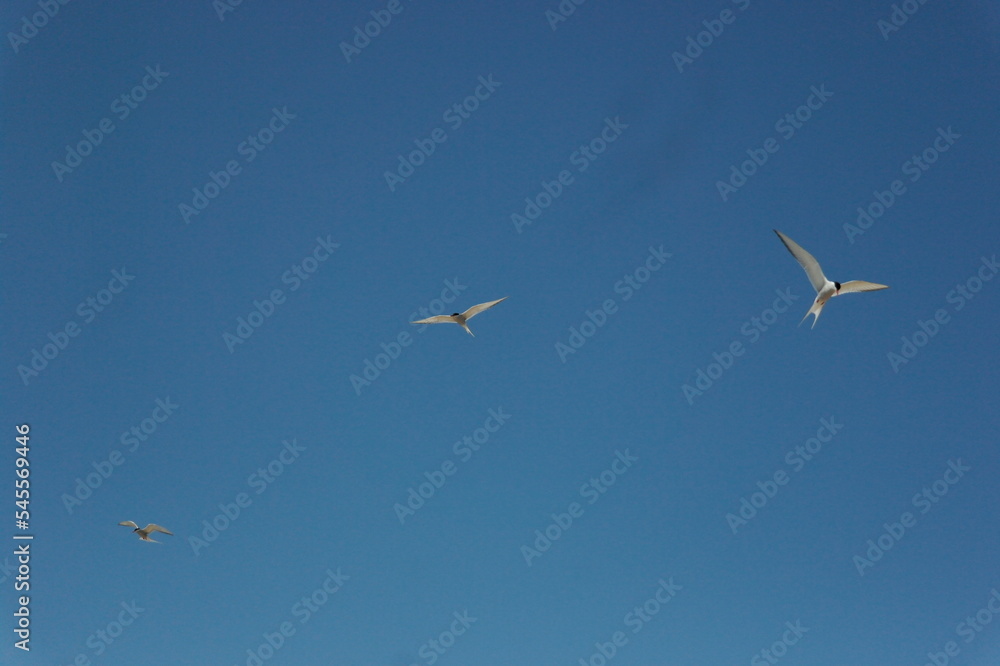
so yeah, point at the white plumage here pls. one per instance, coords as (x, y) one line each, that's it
(460, 319)
(825, 289)
(145, 531)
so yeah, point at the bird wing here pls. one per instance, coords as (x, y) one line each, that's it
(129, 523)
(860, 285)
(153, 527)
(476, 309)
(440, 319)
(806, 260)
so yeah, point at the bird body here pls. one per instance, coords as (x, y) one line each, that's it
(144, 532)
(825, 289)
(460, 319)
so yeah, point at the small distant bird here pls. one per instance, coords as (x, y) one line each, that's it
(144, 532)
(460, 319)
(825, 290)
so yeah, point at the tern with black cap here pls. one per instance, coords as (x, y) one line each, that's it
(460, 319)
(825, 289)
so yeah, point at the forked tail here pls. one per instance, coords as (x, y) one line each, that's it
(816, 309)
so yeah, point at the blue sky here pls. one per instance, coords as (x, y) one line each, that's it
(202, 247)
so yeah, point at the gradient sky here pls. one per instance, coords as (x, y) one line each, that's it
(623, 144)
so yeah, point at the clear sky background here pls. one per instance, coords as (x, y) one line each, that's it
(888, 95)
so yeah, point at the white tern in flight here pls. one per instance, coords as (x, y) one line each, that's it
(825, 289)
(460, 319)
(144, 532)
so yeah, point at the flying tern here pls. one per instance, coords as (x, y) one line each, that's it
(460, 319)
(144, 532)
(825, 289)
